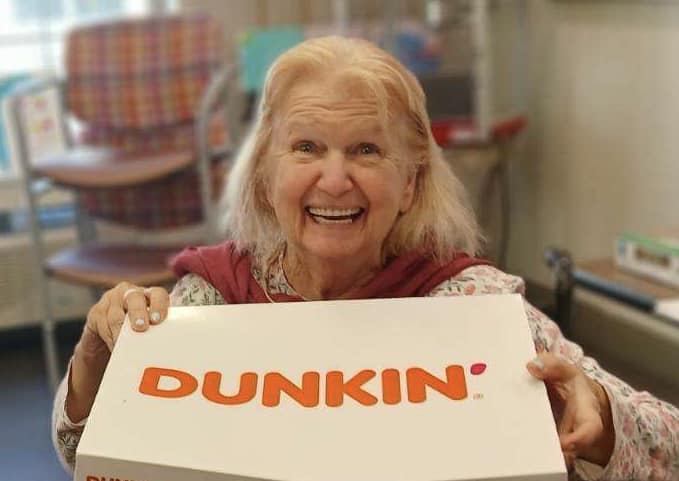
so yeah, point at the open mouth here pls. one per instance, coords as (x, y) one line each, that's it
(334, 216)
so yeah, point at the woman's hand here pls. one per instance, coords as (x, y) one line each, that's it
(105, 319)
(581, 409)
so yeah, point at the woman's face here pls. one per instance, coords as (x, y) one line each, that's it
(333, 187)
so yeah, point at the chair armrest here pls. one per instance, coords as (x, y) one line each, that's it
(101, 167)
(214, 94)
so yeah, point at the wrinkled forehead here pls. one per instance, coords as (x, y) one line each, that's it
(332, 102)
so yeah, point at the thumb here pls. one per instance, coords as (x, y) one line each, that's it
(550, 367)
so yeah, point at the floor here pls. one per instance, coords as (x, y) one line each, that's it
(26, 452)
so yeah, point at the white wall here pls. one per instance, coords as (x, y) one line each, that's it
(603, 147)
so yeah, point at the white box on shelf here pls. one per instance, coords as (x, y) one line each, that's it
(428, 389)
(653, 256)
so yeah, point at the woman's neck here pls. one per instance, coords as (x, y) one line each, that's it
(321, 279)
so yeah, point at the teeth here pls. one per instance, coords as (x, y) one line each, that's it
(333, 212)
(322, 220)
(326, 215)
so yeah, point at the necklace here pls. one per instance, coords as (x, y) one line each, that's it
(266, 293)
(267, 275)
(285, 281)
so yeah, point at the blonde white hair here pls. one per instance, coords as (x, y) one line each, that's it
(439, 222)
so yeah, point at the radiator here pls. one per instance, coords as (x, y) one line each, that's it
(20, 302)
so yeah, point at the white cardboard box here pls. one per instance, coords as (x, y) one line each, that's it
(491, 425)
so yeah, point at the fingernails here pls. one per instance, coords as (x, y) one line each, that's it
(139, 322)
(155, 316)
(537, 364)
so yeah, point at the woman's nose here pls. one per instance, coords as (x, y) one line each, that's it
(335, 179)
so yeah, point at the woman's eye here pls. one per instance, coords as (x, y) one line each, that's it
(305, 147)
(366, 148)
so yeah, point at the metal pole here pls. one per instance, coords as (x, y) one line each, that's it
(482, 67)
(340, 13)
(47, 323)
(220, 83)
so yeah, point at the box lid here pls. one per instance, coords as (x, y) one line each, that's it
(488, 420)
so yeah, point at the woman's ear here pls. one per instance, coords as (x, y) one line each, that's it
(266, 176)
(408, 195)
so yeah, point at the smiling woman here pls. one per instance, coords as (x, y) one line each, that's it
(344, 126)
(337, 192)
(341, 192)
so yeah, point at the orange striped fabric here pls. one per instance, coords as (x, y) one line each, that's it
(141, 73)
(136, 85)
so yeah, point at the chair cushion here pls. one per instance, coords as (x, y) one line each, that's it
(136, 85)
(141, 73)
(107, 265)
(88, 167)
(180, 136)
(170, 202)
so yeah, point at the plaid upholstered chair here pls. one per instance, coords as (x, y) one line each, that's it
(149, 97)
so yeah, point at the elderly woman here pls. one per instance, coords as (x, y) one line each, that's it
(341, 192)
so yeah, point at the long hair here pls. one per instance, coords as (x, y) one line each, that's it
(439, 222)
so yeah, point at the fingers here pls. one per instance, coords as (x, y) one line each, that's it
(105, 319)
(566, 423)
(134, 301)
(145, 306)
(583, 430)
(98, 320)
(569, 459)
(96, 330)
(579, 422)
(115, 319)
(549, 367)
(578, 427)
(159, 301)
(578, 439)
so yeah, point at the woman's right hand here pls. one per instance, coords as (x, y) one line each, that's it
(142, 306)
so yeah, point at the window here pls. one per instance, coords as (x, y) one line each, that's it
(32, 33)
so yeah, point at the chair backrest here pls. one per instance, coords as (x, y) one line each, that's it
(141, 74)
(137, 85)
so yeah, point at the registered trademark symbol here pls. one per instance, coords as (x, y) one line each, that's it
(478, 395)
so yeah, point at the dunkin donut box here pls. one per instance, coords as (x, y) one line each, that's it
(416, 389)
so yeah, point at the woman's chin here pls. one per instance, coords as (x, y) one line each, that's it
(336, 251)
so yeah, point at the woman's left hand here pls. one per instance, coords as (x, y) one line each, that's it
(581, 409)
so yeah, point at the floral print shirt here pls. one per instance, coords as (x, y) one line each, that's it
(646, 428)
